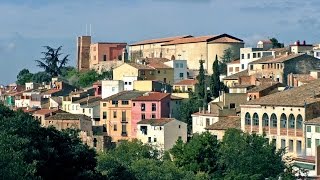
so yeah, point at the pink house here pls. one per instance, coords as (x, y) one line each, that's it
(152, 105)
(97, 88)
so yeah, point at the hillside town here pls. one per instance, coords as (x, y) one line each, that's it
(165, 90)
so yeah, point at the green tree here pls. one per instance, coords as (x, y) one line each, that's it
(56, 154)
(226, 58)
(243, 155)
(199, 154)
(200, 86)
(51, 62)
(215, 79)
(24, 76)
(40, 77)
(276, 44)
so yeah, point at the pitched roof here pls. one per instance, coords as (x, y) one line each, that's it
(45, 111)
(303, 77)
(91, 104)
(266, 86)
(151, 96)
(86, 100)
(156, 122)
(237, 75)
(187, 82)
(139, 66)
(163, 60)
(175, 97)
(190, 40)
(314, 121)
(57, 99)
(277, 59)
(124, 95)
(237, 61)
(225, 123)
(158, 65)
(295, 97)
(159, 40)
(68, 116)
(267, 41)
(51, 91)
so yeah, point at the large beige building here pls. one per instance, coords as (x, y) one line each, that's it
(282, 116)
(189, 48)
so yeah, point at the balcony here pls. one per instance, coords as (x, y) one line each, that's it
(124, 134)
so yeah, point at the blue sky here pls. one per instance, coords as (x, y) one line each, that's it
(27, 25)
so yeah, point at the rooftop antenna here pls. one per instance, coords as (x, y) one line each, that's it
(90, 30)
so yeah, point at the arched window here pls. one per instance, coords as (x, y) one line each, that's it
(299, 122)
(255, 119)
(247, 119)
(265, 120)
(291, 121)
(273, 119)
(283, 121)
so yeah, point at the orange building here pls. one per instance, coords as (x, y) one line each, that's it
(115, 114)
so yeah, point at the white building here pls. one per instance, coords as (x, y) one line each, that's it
(180, 69)
(162, 133)
(248, 55)
(264, 44)
(233, 67)
(92, 110)
(202, 119)
(31, 85)
(111, 87)
(128, 82)
(316, 53)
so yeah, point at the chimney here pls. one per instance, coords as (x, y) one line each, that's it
(298, 42)
(304, 42)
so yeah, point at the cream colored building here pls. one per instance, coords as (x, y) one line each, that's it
(282, 115)
(191, 49)
(302, 47)
(219, 128)
(162, 133)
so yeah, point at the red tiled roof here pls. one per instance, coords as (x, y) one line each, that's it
(158, 65)
(237, 61)
(190, 40)
(187, 82)
(225, 123)
(139, 66)
(45, 111)
(159, 40)
(151, 96)
(156, 122)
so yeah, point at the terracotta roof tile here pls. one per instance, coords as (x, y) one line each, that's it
(237, 61)
(68, 116)
(86, 100)
(45, 111)
(314, 121)
(266, 86)
(225, 40)
(139, 66)
(225, 123)
(124, 95)
(295, 97)
(277, 59)
(159, 40)
(190, 40)
(187, 82)
(237, 75)
(156, 122)
(152, 96)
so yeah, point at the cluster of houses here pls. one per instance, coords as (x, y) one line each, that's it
(271, 91)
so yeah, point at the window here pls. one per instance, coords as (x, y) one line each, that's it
(113, 89)
(237, 69)
(265, 120)
(94, 142)
(153, 116)
(181, 75)
(104, 115)
(248, 56)
(251, 67)
(114, 114)
(144, 130)
(254, 55)
(104, 104)
(298, 147)
(83, 110)
(125, 102)
(149, 139)
(104, 57)
(283, 121)
(255, 119)
(143, 116)
(125, 83)
(290, 145)
(133, 104)
(181, 65)
(291, 121)
(317, 142)
(242, 56)
(230, 69)
(318, 129)
(207, 121)
(158, 72)
(262, 67)
(154, 139)
(242, 66)
(130, 83)
(179, 126)
(177, 65)
(154, 107)
(299, 122)
(259, 54)
(124, 116)
(142, 72)
(247, 119)
(115, 127)
(124, 130)
(143, 106)
(283, 143)
(165, 80)
(274, 120)
(114, 102)
(94, 57)
(232, 105)
(89, 111)
(308, 128)
(309, 143)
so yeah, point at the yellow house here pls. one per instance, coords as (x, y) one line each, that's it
(115, 114)
(152, 71)
(187, 85)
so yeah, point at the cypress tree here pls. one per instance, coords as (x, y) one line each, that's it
(215, 79)
(201, 82)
